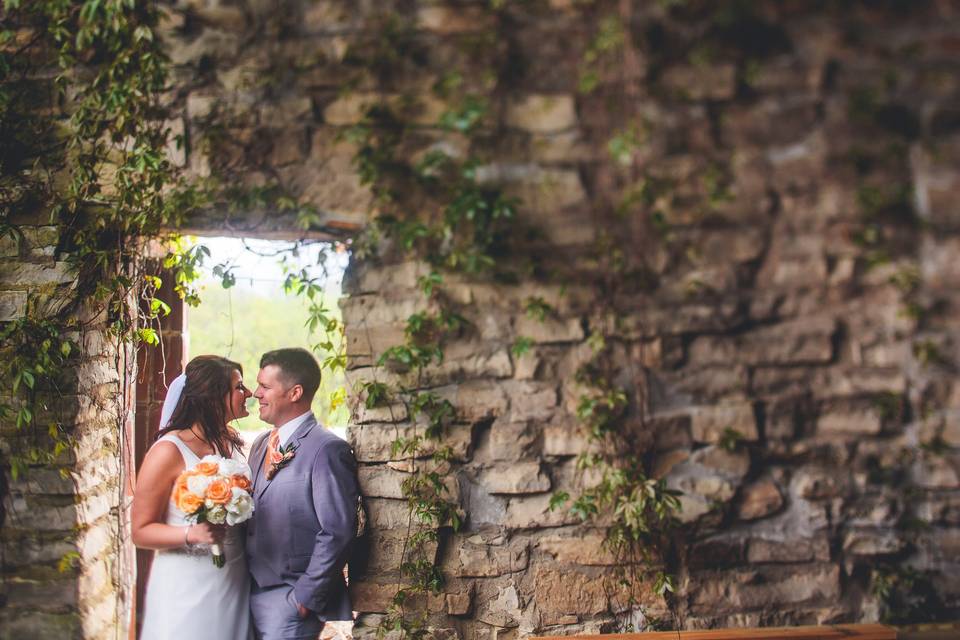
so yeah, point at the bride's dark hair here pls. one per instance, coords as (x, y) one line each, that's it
(203, 402)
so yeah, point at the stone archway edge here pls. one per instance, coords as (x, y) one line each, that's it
(831, 632)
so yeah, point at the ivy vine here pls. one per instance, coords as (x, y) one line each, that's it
(435, 210)
(84, 143)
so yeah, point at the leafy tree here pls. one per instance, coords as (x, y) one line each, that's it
(241, 324)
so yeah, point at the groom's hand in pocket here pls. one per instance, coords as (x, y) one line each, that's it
(303, 611)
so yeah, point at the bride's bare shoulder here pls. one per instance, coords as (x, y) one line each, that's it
(163, 448)
(163, 459)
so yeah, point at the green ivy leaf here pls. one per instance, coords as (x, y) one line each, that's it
(149, 335)
(376, 393)
(521, 346)
(537, 308)
(429, 282)
(558, 499)
(338, 398)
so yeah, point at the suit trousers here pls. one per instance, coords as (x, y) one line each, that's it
(276, 616)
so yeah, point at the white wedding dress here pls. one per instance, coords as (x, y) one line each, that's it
(188, 598)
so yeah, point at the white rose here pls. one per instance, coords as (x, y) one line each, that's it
(240, 507)
(198, 484)
(216, 514)
(229, 467)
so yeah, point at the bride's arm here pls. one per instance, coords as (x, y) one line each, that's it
(161, 466)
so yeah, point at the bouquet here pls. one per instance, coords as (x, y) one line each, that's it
(216, 490)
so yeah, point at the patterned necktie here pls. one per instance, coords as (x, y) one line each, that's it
(273, 443)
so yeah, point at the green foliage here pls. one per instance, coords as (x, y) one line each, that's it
(429, 283)
(436, 209)
(88, 146)
(467, 116)
(185, 264)
(641, 510)
(521, 346)
(232, 323)
(408, 356)
(601, 53)
(906, 595)
(601, 412)
(439, 413)
(537, 308)
(623, 145)
(730, 439)
(716, 182)
(376, 394)
(928, 353)
(558, 499)
(38, 352)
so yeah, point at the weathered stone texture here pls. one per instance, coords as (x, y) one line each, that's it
(60, 530)
(488, 556)
(789, 334)
(787, 362)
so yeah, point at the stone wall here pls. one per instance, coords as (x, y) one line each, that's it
(65, 567)
(779, 322)
(768, 313)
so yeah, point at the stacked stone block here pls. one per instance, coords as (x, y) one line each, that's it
(64, 563)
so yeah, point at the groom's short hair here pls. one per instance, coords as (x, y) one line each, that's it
(297, 366)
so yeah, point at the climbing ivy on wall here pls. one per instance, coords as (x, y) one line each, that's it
(100, 169)
(625, 57)
(84, 148)
(85, 145)
(433, 207)
(102, 173)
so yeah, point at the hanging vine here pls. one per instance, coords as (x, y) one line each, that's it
(84, 144)
(436, 210)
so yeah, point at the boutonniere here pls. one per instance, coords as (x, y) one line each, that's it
(281, 458)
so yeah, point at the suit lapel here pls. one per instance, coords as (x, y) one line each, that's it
(302, 431)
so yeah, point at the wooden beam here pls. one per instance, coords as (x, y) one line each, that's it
(831, 632)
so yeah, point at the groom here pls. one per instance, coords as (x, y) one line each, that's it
(305, 496)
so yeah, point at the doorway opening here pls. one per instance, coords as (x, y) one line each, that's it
(255, 295)
(254, 298)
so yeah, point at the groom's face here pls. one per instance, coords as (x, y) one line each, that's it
(274, 396)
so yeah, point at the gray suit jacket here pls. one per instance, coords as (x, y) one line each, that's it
(305, 520)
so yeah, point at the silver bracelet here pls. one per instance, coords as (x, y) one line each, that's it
(186, 536)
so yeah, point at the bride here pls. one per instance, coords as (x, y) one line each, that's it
(188, 597)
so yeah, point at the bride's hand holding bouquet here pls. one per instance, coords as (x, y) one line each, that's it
(215, 491)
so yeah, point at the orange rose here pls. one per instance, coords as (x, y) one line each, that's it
(180, 486)
(276, 457)
(188, 502)
(207, 468)
(219, 491)
(241, 482)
